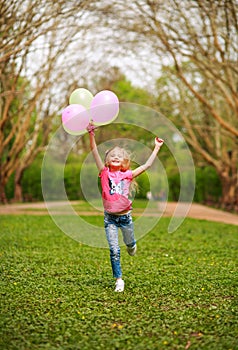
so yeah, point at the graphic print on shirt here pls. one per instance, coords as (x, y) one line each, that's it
(116, 188)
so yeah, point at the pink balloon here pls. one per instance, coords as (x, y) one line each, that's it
(104, 107)
(75, 119)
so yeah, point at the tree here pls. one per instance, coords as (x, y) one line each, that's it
(46, 50)
(195, 43)
(33, 78)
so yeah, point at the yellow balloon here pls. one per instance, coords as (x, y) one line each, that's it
(82, 97)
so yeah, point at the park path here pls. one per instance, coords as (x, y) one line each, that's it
(196, 211)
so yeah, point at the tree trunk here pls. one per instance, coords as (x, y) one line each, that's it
(229, 200)
(18, 193)
(3, 197)
(18, 197)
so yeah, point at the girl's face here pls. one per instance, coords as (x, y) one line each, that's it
(115, 159)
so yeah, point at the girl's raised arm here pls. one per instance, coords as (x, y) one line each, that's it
(93, 147)
(149, 162)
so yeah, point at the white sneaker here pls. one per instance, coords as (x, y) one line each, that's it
(119, 285)
(132, 251)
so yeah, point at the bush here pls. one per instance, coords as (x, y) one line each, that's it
(174, 187)
(9, 189)
(208, 186)
(143, 186)
(72, 181)
(207, 190)
(31, 182)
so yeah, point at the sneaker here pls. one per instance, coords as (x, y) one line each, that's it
(119, 285)
(132, 250)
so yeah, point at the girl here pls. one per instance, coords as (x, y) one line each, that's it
(116, 178)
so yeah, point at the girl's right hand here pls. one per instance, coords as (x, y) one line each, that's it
(90, 128)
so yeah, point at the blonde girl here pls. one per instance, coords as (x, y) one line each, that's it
(116, 178)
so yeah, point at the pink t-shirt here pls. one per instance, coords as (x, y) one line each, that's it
(115, 190)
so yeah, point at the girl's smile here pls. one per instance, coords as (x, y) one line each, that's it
(115, 159)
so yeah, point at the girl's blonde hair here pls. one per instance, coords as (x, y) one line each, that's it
(126, 158)
(125, 165)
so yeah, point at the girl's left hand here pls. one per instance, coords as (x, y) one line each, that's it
(159, 142)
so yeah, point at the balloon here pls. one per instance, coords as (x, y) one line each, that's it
(104, 107)
(75, 119)
(82, 97)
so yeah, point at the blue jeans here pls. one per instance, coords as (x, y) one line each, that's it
(111, 224)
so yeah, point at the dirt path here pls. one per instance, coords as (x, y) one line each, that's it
(196, 211)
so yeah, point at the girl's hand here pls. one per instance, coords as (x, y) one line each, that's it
(90, 128)
(158, 142)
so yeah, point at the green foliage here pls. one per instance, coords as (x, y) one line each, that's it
(174, 187)
(180, 289)
(31, 181)
(72, 180)
(143, 185)
(130, 93)
(208, 186)
(9, 189)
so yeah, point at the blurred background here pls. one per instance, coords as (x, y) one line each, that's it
(178, 58)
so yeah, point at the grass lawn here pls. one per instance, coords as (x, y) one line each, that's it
(180, 289)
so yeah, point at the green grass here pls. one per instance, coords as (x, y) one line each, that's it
(181, 289)
(139, 205)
